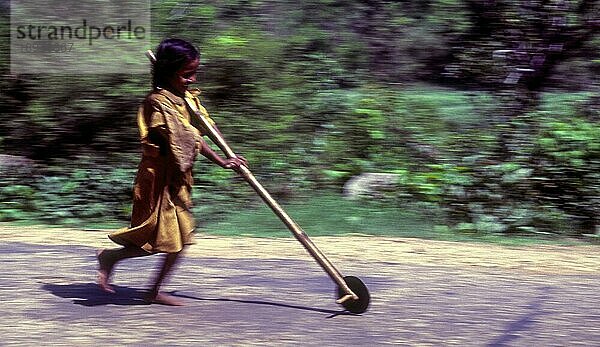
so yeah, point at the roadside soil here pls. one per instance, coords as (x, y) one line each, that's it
(549, 259)
(257, 291)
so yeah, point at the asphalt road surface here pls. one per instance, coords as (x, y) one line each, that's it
(241, 292)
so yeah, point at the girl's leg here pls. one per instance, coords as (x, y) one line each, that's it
(155, 296)
(107, 258)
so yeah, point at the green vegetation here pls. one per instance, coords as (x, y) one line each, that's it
(328, 214)
(331, 215)
(487, 112)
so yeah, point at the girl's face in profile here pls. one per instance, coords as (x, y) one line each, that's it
(185, 76)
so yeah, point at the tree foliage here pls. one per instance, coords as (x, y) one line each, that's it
(487, 109)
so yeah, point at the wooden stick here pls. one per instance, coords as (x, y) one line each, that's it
(278, 210)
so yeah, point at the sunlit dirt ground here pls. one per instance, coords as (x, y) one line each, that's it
(250, 291)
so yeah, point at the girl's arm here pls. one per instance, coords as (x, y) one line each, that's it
(244, 160)
(230, 163)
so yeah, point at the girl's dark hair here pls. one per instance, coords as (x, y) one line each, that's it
(171, 56)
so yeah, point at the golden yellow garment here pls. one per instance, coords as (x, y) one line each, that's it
(161, 220)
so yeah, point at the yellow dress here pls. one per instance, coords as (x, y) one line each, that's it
(161, 220)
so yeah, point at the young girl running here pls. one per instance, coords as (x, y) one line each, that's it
(161, 220)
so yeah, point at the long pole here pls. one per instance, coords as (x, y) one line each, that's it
(296, 230)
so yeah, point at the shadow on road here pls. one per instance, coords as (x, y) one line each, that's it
(268, 303)
(525, 323)
(88, 294)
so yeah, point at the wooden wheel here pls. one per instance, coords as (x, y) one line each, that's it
(359, 288)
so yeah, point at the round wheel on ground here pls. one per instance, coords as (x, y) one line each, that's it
(359, 288)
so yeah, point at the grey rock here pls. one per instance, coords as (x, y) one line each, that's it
(370, 184)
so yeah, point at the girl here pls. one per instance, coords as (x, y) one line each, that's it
(161, 220)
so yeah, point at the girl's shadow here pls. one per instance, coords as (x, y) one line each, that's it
(88, 294)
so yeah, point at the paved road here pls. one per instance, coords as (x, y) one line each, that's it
(48, 297)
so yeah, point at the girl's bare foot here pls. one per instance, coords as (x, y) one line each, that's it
(163, 299)
(103, 272)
